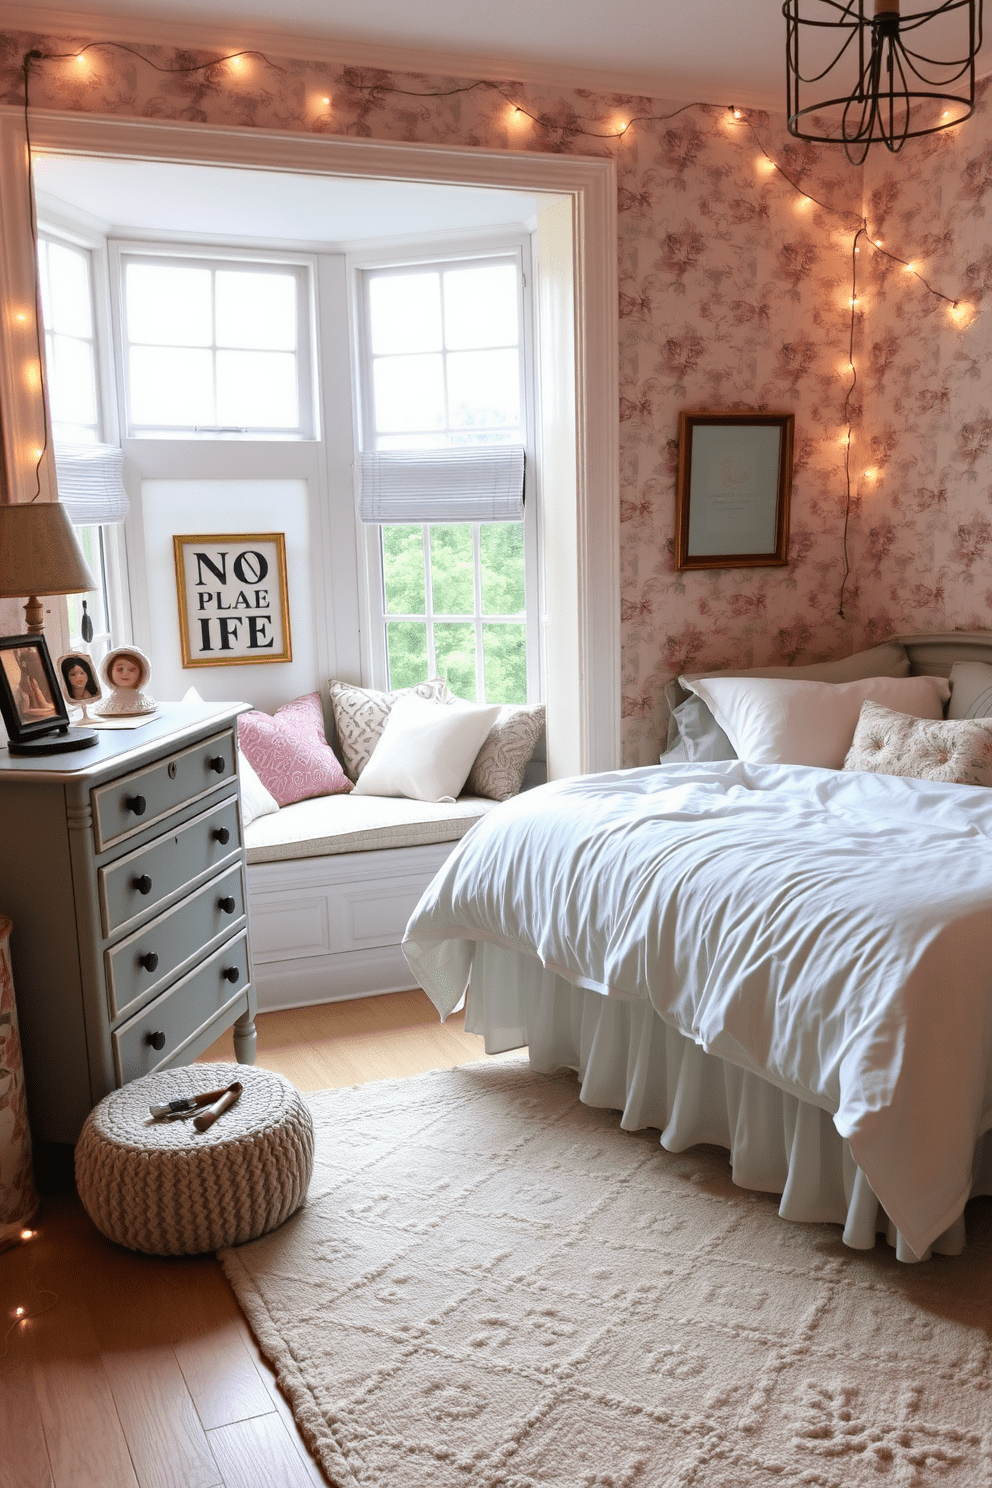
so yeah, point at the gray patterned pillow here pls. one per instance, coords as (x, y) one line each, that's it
(360, 715)
(498, 771)
(958, 751)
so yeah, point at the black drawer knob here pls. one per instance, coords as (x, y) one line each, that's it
(149, 961)
(218, 764)
(137, 804)
(221, 835)
(230, 973)
(157, 1040)
(228, 905)
(143, 884)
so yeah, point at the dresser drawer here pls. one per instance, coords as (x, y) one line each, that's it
(151, 874)
(146, 796)
(151, 1038)
(147, 960)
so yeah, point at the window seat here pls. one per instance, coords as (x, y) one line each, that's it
(332, 883)
(345, 824)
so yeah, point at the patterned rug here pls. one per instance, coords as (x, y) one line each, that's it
(491, 1284)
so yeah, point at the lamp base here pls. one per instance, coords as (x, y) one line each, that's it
(62, 743)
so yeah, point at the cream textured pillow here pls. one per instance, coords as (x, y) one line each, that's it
(958, 750)
(360, 715)
(426, 749)
(498, 771)
(772, 722)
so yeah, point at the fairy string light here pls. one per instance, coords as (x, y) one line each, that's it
(565, 128)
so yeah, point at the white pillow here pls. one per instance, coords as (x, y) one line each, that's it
(255, 799)
(773, 722)
(426, 749)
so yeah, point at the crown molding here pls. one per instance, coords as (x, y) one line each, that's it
(392, 57)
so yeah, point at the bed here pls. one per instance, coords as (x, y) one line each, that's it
(790, 961)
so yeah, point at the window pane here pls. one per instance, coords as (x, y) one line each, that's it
(407, 647)
(257, 389)
(403, 570)
(480, 307)
(452, 569)
(71, 384)
(405, 312)
(409, 393)
(69, 286)
(501, 547)
(504, 656)
(256, 310)
(96, 602)
(454, 647)
(411, 441)
(171, 387)
(169, 305)
(483, 388)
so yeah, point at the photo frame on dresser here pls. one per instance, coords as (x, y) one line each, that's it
(734, 489)
(31, 702)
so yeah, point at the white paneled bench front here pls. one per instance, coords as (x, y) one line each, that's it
(332, 883)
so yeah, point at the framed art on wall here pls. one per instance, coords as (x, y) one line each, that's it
(233, 598)
(734, 488)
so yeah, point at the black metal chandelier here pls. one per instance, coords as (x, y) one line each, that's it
(898, 76)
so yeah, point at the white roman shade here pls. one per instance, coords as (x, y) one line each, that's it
(90, 480)
(481, 483)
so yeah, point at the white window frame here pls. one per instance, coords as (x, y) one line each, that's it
(197, 254)
(58, 227)
(581, 547)
(480, 249)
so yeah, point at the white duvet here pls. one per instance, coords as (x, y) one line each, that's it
(831, 931)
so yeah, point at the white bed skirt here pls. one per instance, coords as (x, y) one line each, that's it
(628, 1060)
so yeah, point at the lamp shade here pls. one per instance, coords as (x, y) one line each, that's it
(40, 553)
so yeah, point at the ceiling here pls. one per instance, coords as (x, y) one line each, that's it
(129, 197)
(721, 50)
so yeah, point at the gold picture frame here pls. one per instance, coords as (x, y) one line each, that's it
(734, 489)
(233, 598)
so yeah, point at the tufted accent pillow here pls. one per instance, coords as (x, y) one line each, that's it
(360, 715)
(498, 770)
(289, 753)
(958, 751)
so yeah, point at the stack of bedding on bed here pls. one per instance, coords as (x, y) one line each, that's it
(803, 914)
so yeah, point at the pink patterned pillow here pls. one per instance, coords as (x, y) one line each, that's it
(289, 752)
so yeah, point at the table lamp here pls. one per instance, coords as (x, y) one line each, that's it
(40, 554)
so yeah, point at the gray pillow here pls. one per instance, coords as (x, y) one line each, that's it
(971, 690)
(888, 660)
(700, 735)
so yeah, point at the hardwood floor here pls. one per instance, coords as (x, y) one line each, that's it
(131, 1371)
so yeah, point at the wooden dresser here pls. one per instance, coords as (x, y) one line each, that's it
(122, 868)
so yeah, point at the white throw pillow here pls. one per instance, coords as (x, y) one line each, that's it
(255, 799)
(773, 722)
(426, 749)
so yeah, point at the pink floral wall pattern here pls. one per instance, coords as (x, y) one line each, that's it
(734, 293)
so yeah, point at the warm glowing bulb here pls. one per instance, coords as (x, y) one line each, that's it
(80, 59)
(18, 1311)
(325, 101)
(871, 474)
(20, 316)
(910, 268)
(738, 114)
(878, 242)
(766, 165)
(857, 250)
(946, 114)
(27, 1234)
(37, 453)
(236, 62)
(853, 301)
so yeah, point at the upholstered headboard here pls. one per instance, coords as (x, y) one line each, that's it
(934, 655)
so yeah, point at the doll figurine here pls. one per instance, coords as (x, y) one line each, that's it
(79, 681)
(126, 671)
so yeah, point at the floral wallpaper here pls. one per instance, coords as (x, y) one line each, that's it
(735, 286)
(922, 526)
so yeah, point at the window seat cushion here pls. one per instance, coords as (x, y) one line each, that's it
(353, 823)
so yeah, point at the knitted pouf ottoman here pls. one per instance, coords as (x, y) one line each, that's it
(165, 1188)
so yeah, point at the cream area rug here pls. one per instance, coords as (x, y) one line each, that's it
(491, 1284)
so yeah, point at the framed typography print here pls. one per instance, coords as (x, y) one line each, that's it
(233, 598)
(734, 488)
